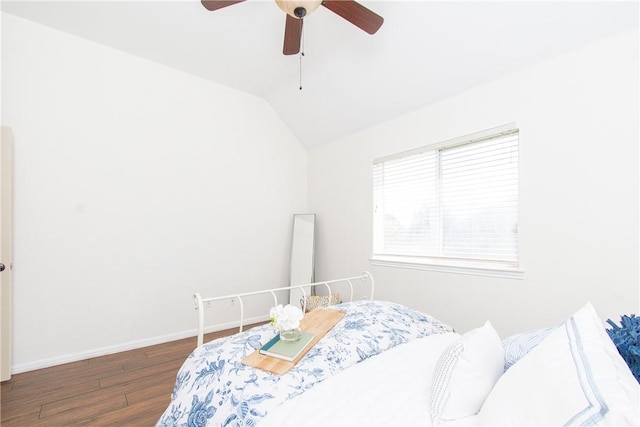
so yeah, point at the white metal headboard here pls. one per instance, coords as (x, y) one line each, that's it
(199, 302)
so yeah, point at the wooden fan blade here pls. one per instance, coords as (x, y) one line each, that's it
(355, 13)
(292, 35)
(218, 4)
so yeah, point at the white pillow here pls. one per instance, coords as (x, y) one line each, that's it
(465, 374)
(574, 377)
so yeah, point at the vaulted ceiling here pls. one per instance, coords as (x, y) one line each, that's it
(424, 52)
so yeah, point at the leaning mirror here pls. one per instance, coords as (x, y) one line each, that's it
(302, 253)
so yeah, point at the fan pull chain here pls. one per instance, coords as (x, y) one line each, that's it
(301, 54)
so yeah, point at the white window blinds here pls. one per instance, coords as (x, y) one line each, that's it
(453, 202)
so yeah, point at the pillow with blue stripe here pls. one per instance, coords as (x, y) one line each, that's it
(465, 373)
(516, 346)
(573, 377)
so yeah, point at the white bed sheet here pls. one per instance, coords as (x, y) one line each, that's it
(392, 388)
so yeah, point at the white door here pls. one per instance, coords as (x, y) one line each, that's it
(6, 186)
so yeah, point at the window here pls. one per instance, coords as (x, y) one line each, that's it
(453, 204)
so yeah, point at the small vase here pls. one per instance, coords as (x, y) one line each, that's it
(290, 335)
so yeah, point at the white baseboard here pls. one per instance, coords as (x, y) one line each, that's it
(132, 345)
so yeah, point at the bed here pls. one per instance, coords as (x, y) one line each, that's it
(387, 364)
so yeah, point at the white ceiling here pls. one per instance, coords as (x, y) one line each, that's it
(424, 52)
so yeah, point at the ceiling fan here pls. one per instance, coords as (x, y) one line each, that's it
(296, 10)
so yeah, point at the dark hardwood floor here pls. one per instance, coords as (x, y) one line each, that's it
(131, 388)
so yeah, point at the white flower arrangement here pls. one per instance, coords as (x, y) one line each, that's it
(285, 318)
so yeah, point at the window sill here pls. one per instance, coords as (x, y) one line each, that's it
(451, 267)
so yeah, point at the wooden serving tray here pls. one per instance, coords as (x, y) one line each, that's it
(318, 321)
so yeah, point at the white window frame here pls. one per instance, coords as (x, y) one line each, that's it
(454, 265)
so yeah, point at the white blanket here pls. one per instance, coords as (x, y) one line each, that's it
(365, 393)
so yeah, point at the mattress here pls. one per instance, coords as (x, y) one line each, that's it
(214, 387)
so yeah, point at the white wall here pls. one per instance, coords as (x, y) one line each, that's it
(135, 186)
(578, 120)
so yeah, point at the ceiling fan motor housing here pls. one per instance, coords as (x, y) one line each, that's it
(298, 8)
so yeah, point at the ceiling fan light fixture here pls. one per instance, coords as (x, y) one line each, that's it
(298, 8)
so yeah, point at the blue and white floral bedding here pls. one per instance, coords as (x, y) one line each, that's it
(214, 388)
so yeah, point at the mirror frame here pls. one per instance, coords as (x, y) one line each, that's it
(302, 250)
